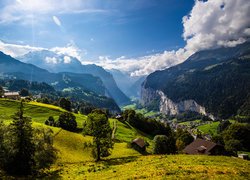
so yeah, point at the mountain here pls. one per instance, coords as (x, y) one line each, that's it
(52, 62)
(130, 85)
(60, 63)
(89, 87)
(212, 82)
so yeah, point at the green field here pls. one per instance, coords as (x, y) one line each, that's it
(143, 111)
(75, 162)
(211, 128)
(38, 111)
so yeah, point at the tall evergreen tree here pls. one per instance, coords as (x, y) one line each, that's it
(23, 148)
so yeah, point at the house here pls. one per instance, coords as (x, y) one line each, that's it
(243, 156)
(11, 95)
(201, 146)
(119, 117)
(139, 144)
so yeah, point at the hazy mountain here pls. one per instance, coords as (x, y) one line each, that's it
(130, 85)
(210, 82)
(91, 87)
(61, 63)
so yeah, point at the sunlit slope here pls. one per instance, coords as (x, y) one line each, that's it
(39, 112)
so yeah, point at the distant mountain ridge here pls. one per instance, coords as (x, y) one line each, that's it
(86, 84)
(209, 82)
(61, 63)
(131, 86)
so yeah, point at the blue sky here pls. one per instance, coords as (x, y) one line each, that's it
(134, 36)
(124, 28)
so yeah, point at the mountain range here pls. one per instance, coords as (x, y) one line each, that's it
(56, 63)
(89, 87)
(211, 82)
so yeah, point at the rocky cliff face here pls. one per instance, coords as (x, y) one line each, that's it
(148, 95)
(169, 107)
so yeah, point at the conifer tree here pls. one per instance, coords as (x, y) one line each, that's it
(22, 150)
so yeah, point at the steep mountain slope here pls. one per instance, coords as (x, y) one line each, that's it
(109, 82)
(88, 87)
(213, 82)
(61, 63)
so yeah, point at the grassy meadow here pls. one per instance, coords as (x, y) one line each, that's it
(75, 162)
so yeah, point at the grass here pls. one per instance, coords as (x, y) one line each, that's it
(157, 167)
(209, 128)
(143, 111)
(75, 162)
(38, 111)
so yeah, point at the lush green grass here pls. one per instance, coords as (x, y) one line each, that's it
(38, 111)
(209, 128)
(189, 122)
(143, 111)
(75, 162)
(156, 167)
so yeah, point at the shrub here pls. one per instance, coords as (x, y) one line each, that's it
(164, 145)
(67, 121)
(50, 121)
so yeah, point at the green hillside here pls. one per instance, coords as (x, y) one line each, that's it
(38, 111)
(75, 162)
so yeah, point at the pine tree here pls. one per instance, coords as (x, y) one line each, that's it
(23, 148)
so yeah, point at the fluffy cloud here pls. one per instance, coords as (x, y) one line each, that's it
(16, 50)
(67, 52)
(70, 50)
(216, 23)
(144, 65)
(210, 24)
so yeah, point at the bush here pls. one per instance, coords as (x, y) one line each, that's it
(50, 121)
(45, 153)
(164, 145)
(67, 121)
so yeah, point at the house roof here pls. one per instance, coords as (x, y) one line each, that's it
(200, 146)
(139, 141)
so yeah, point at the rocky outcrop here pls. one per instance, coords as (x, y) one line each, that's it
(169, 107)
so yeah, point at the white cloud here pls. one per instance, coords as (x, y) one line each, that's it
(144, 65)
(57, 21)
(210, 24)
(70, 50)
(216, 23)
(16, 50)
